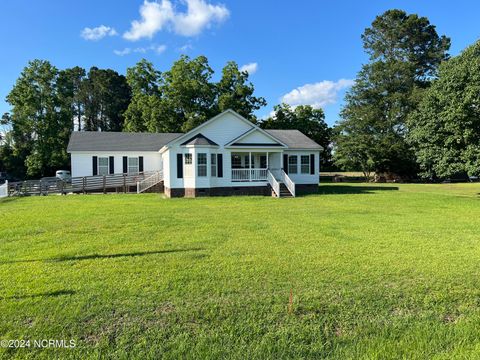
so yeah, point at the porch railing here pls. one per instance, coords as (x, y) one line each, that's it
(288, 183)
(249, 174)
(273, 183)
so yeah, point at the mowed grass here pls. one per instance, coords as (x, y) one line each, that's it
(375, 271)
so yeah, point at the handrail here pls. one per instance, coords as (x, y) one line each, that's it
(149, 181)
(273, 183)
(288, 183)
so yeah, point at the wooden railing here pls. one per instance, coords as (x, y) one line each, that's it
(79, 184)
(288, 183)
(273, 183)
(103, 182)
(150, 181)
(249, 174)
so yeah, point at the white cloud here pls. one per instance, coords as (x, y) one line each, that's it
(158, 16)
(185, 48)
(97, 33)
(154, 17)
(199, 15)
(123, 52)
(159, 49)
(318, 94)
(250, 68)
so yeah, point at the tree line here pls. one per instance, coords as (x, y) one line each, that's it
(47, 104)
(412, 112)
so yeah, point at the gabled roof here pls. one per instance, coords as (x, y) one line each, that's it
(275, 141)
(212, 120)
(295, 139)
(199, 139)
(118, 141)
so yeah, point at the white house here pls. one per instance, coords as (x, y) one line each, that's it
(225, 155)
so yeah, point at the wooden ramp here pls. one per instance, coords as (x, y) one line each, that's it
(84, 184)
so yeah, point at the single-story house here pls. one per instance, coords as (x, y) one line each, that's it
(225, 155)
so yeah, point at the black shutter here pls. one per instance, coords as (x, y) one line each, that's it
(111, 165)
(125, 164)
(219, 165)
(285, 163)
(94, 166)
(179, 166)
(312, 164)
(140, 164)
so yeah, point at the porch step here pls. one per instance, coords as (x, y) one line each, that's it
(284, 192)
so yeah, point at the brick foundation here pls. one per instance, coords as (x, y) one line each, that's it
(300, 189)
(218, 191)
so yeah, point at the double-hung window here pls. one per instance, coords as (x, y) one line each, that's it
(202, 164)
(132, 165)
(305, 164)
(188, 165)
(292, 164)
(213, 165)
(103, 166)
(236, 161)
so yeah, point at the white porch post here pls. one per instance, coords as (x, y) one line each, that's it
(267, 159)
(250, 165)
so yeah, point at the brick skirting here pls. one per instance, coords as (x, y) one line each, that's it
(218, 191)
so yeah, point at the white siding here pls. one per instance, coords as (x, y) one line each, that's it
(82, 161)
(300, 178)
(223, 130)
(256, 137)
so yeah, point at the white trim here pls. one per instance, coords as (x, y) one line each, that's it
(208, 122)
(251, 131)
(199, 146)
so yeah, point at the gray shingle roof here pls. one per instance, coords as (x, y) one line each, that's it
(124, 141)
(199, 139)
(118, 141)
(294, 139)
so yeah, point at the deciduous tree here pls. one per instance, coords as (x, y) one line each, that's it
(405, 51)
(445, 129)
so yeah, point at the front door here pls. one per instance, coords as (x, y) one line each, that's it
(263, 161)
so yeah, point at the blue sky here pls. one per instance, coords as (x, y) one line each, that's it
(299, 52)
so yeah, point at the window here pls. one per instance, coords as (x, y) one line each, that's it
(188, 165)
(132, 165)
(213, 165)
(236, 162)
(103, 166)
(305, 164)
(202, 164)
(292, 164)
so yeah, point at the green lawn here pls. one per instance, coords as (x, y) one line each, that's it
(376, 272)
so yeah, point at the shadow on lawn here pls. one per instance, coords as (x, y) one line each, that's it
(101, 256)
(45, 294)
(349, 189)
(9, 199)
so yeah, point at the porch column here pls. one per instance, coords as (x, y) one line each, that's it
(267, 159)
(250, 165)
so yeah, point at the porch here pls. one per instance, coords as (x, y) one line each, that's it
(252, 166)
